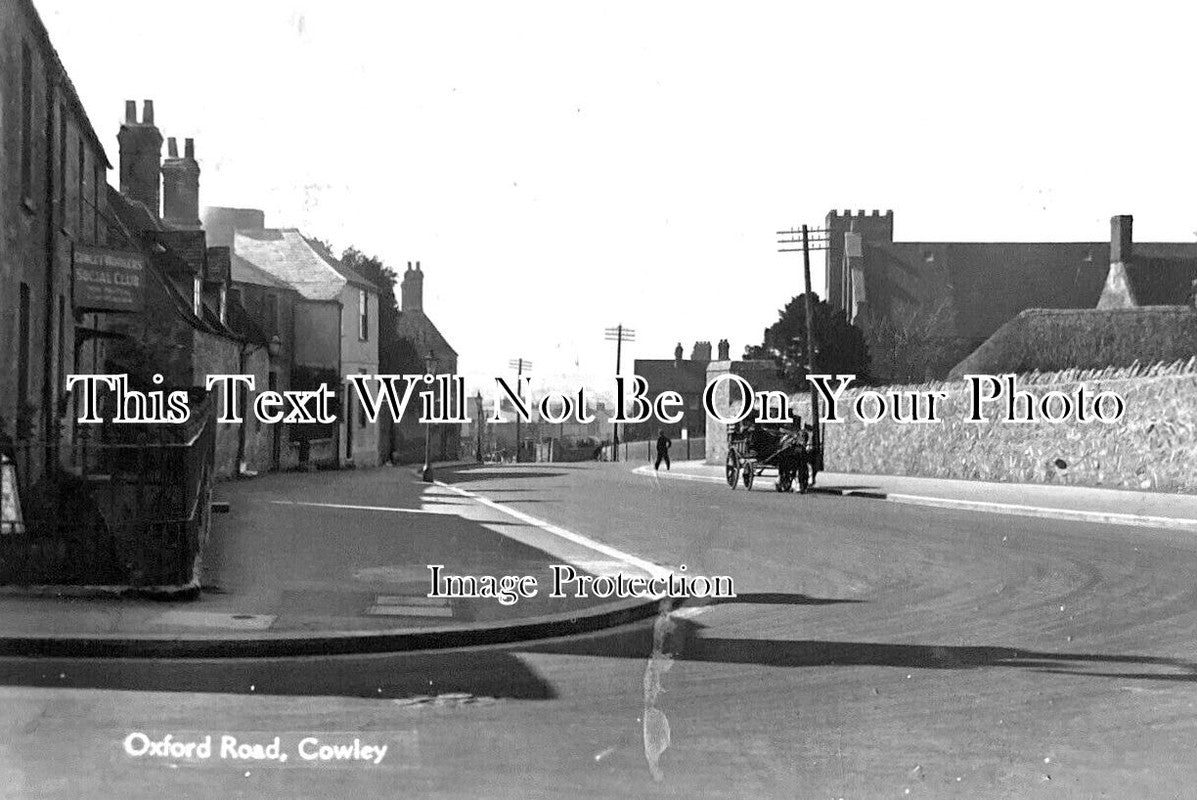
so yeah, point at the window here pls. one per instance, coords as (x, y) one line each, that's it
(363, 315)
(23, 350)
(26, 123)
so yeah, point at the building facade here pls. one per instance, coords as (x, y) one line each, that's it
(53, 174)
(334, 330)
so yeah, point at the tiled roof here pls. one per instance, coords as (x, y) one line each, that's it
(354, 277)
(245, 272)
(286, 254)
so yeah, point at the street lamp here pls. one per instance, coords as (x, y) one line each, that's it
(427, 476)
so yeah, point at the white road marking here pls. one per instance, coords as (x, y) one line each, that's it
(654, 570)
(409, 611)
(356, 508)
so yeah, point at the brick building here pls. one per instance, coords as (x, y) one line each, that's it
(52, 197)
(687, 377)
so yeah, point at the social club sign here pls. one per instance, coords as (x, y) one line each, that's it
(108, 280)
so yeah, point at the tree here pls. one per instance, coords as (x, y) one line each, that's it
(909, 344)
(390, 356)
(839, 346)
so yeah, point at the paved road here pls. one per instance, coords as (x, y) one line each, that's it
(876, 650)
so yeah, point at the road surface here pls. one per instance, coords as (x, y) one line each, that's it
(874, 650)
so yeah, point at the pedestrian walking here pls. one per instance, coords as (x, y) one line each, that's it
(663, 445)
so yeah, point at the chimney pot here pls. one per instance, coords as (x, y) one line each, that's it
(147, 114)
(189, 148)
(130, 112)
(172, 147)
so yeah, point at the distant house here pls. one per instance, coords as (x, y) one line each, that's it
(420, 342)
(687, 377)
(334, 316)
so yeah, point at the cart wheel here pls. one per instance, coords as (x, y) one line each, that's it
(748, 475)
(732, 469)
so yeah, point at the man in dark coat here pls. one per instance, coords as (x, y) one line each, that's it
(663, 445)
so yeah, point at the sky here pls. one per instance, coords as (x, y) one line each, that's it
(559, 168)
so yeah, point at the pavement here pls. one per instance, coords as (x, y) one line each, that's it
(1048, 501)
(331, 562)
(875, 649)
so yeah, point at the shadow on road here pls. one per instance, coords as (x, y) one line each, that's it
(478, 673)
(684, 642)
(773, 599)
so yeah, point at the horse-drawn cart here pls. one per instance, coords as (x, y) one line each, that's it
(790, 449)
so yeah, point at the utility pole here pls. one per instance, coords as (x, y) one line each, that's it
(619, 334)
(519, 364)
(478, 434)
(821, 241)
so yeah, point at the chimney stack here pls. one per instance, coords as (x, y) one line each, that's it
(180, 186)
(701, 352)
(411, 290)
(678, 352)
(724, 350)
(140, 156)
(1122, 241)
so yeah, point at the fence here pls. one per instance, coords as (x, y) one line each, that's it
(127, 508)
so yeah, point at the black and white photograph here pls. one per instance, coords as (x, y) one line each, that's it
(560, 400)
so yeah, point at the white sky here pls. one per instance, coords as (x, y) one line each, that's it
(558, 167)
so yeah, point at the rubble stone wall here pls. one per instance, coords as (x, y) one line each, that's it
(1153, 447)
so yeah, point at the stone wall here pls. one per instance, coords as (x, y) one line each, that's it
(1153, 447)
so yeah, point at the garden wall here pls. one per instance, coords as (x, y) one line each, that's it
(1153, 447)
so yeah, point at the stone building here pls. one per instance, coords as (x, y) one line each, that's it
(52, 197)
(190, 325)
(330, 314)
(420, 339)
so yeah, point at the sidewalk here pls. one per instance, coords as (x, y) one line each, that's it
(323, 562)
(1112, 506)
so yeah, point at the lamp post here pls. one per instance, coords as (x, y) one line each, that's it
(427, 476)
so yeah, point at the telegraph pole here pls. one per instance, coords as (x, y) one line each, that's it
(821, 241)
(478, 433)
(519, 364)
(619, 334)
